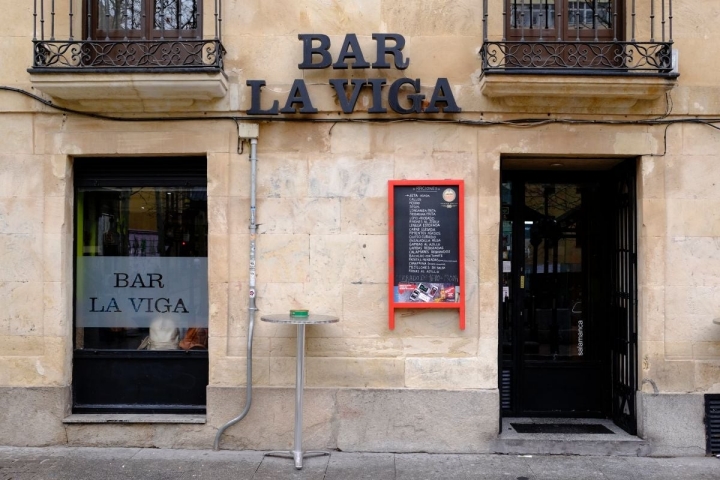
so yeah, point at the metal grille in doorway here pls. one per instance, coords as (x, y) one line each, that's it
(712, 423)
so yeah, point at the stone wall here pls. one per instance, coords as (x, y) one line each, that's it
(322, 210)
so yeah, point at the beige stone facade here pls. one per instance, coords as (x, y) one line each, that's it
(322, 211)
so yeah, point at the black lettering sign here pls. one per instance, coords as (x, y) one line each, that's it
(404, 95)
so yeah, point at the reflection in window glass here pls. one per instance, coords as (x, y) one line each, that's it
(577, 14)
(119, 14)
(506, 258)
(176, 14)
(141, 268)
(532, 13)
(132, 14)
(590, 14)
(553, 319)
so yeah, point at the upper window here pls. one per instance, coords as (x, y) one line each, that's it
(563, 19)
(128, 35)
(146, 19)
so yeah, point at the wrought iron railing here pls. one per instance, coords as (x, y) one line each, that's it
(578, 57)
(589, 45)
(112, 38)
(124, 55)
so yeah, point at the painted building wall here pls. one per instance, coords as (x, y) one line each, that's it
(322, 244)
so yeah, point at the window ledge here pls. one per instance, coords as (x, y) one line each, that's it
(132, 86)
(127, 418)
(560, 89)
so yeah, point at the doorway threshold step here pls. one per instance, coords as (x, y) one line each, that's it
(615, 442)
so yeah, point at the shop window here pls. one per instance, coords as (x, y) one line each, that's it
(141, 285)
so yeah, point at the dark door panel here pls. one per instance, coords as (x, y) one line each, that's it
(148, 382)
(623, 297)
(560, 390)
(563, 323)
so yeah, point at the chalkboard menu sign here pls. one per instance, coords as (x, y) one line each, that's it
(426, 245)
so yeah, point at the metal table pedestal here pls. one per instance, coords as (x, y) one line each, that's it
(297, 452)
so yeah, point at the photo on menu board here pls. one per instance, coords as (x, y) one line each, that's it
(426, 292)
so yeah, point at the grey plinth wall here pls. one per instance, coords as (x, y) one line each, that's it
(32, 416)
(358, 420)
(361, 420)
(673, 423)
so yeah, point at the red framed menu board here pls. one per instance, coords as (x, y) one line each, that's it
(426, 246)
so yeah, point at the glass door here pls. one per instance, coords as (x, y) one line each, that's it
(553, 273)
(552, 316)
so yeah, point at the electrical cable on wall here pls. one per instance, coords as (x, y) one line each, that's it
(520, 122)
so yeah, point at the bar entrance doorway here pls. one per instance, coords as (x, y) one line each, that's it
(567, 316)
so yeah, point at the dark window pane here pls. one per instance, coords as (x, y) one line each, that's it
(533, 14)
(176, 14)
(141, 268)
(587, 14)
(553, 320)
(119, 15)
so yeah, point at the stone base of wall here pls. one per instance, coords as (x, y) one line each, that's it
(673, 423)
(354, 420)
(357, 420)
(32, 417)
(360, 420)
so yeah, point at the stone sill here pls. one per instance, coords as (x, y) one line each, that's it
(573, 89)
(127, 418)
(181, 87)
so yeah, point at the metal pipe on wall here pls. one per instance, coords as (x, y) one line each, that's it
(596, 19)
(662, 22)
(484, 20)
(88, 7)
(652, 20)
(71, 19)
(35, 20)
(42, 20)
(252, 308)
(52, 21)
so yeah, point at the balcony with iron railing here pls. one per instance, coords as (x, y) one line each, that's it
(141, 49)
(531, 43)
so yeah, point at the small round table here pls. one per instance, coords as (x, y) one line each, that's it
(297, 452)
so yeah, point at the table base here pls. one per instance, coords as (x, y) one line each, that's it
(297, 456)
(297, 453)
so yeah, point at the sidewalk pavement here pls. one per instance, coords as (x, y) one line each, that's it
(74, 463)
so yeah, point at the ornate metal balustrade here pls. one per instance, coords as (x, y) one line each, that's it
(128, 55)
(585, 52)
(166, 50)
(578, 57)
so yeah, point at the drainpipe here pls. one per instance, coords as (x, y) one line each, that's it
(250, 132)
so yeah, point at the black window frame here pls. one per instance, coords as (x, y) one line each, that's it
(146, 377)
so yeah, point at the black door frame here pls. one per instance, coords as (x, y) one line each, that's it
(620, 359)
(624, 298)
